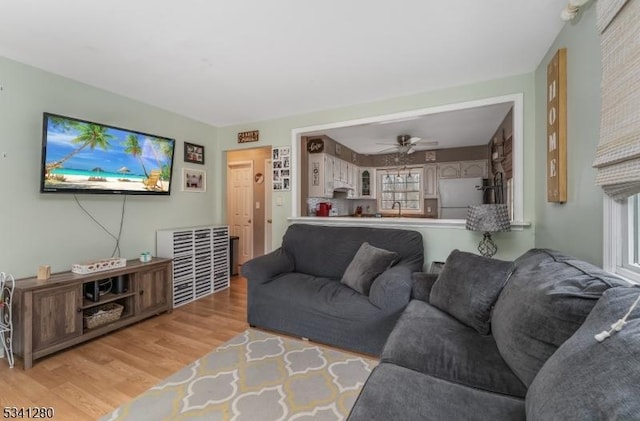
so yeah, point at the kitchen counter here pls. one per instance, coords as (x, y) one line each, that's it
(372, 215)
(391, 221)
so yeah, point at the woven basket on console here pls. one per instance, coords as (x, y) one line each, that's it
(95, 317)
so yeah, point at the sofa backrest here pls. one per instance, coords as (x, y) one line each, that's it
(327, 251)
(590, 380)
(547, 298)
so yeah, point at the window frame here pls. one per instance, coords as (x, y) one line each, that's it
(383, 172)
(618, 247)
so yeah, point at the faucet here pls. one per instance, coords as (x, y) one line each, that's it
(399, 207)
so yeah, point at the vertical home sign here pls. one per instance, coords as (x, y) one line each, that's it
(557, 128)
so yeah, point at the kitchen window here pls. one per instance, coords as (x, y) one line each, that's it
(622, 237)
(402, 186)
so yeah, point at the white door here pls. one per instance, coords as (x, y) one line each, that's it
(239, 207)
(268, 186)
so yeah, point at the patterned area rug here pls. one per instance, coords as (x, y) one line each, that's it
(256, 376)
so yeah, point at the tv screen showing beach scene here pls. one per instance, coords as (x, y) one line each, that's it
(84, 157)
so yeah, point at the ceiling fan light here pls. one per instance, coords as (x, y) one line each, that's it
(404, 139)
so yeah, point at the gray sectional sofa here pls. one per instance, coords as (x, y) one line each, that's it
(303, 289)
(493, 340)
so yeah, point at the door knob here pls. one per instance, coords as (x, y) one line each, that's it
(249, 221)
(269, 221)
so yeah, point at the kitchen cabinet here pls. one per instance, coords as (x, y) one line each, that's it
(479, 168)
(464, 169)
(328, 173)
(343, 171)
(449, 170)
(344, 174)
(321, 175)
(367, 183)
(430, 181)
(352, 179)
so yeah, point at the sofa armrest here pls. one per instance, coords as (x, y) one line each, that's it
(264, 268)
(391, 290)
(422, 283)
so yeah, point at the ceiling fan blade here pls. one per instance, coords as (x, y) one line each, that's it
(411, 150)
(414, 140)
(425, 146)
(388, 150)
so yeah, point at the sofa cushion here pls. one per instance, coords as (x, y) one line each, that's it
(468, 287)
(327, 251)
(432, 342)
(546, 300)
(368, 263)
(321, 309)
(397, 393)
(588, 380)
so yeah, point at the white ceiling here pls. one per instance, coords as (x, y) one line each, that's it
(226, 62)
(451, 129)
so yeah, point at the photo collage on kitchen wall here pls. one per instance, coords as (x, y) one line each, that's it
(281, 162)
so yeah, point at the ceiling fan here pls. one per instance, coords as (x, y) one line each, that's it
(408, 144)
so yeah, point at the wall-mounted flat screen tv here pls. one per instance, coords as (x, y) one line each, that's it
(80, 156)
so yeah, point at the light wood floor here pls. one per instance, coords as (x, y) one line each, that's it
(92, 379)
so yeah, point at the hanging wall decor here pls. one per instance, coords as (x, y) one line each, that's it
(251, 136)
(557, 128)
(193, 153)
(281, 163)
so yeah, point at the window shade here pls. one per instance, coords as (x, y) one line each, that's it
(618, 152)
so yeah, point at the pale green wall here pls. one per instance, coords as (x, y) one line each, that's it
(576, 226)
(438, 241)
(50, 229)
(47, 229)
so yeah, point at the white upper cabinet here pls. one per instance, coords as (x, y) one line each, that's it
(449, 170)
(464, 169)
(430, 181)
(367, 183)
(321, 175)
(478, 168)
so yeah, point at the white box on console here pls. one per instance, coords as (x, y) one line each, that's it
(99, 265)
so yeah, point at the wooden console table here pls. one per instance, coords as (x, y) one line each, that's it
(51, 315)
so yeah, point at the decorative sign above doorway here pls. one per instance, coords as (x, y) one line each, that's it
(557, 128)
(315, 145)
(252, 136)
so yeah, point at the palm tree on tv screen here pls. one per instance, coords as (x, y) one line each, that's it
(90, 135)
(132, 146)
(166, 152)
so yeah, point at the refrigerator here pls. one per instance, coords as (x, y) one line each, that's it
(457, 194)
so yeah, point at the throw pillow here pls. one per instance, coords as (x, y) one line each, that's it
(590, 380)
(468, 287)
(367, 264)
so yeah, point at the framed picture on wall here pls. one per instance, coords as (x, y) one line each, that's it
(193, 153)
(281, 163)
(194, 180)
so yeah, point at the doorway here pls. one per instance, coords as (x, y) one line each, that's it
(239, 207)
(248, 206)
